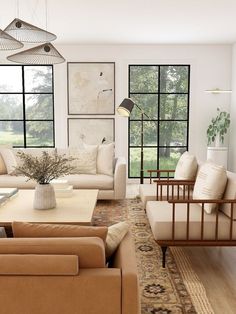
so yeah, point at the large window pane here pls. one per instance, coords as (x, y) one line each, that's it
(174, 79)
(173, 107)
(165, 99)
(11, 107)
(149, 159)
(11, 132)
(143, 79)
(10, 79)
(168, 157)
(39, 107)
(39, 133)
(173, 133)
(26, 94)
(134, 162)
(38, 79)
(148, 103)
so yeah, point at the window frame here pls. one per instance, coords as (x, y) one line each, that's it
(23, 93)
(158, 120)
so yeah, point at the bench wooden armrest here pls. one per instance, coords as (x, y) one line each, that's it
(184, 185)
(201, 203)
(159, 172)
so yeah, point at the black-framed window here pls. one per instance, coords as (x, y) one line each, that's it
(162, 91)
(27, 105)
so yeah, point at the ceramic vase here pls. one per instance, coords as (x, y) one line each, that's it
(44, 197)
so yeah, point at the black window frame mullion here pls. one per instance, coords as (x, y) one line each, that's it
(158, 120)
(23, 93)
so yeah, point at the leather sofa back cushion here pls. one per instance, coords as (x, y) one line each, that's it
(39, 265)
(186, 168)
(33, 230)
(90, 251)
(210, 184)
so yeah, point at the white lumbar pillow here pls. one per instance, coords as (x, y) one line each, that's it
(85, 160)
(9, 159)
(115, 235)
(210, 184)
(186, 168)
(105, 158)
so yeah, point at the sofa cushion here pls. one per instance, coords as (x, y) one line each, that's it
(88, 181)
(36, 152)
(210, 183)
(3, 169)
(186, 168)
(39, 265)
(90, 250)
(230, 194)
(85, 160)
(9, 181)
(9, 159)
(34, 230)
(105, 158)
(115, 235)
(160, 218)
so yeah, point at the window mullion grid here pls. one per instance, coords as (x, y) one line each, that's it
(24, 110)
(158, 117)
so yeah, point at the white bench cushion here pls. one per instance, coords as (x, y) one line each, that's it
(160, 219)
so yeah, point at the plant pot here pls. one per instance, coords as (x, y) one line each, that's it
(44, 197)
(217, 141)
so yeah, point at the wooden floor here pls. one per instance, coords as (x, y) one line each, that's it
(216, 268)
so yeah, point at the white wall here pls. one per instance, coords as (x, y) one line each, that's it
(232, 139)
(210, 68)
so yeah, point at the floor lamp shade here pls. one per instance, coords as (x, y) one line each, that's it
(126, 107)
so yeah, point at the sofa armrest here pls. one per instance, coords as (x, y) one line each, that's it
(125, 259)
(120, 178)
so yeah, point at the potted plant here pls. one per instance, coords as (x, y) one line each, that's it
(43, 170)
(218, 128)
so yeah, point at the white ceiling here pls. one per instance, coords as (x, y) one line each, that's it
(129, 21)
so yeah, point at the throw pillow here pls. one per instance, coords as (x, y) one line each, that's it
(210, 184)
(85, 160)
(3, 169)
(186, 168)
(115, 235)
(9, 159)
(105, 158)
(34, 230)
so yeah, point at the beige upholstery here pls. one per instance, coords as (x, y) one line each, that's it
(33, 230)
(230, 193)
(160, 218)
(109, 186)
(186, 168)
(99, 290)
(39, 265)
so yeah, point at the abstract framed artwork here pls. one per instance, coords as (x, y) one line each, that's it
(92, 131)
(91, 88)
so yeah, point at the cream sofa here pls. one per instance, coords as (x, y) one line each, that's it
(67, 275)
(109, 186)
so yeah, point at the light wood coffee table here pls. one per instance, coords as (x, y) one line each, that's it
(77, 209)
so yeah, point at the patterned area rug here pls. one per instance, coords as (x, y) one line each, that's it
(163, 291)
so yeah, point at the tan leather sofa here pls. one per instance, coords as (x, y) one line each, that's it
(67, 276)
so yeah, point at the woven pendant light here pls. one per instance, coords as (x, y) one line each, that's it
(26, 32)
(7, 42)
(43, 54)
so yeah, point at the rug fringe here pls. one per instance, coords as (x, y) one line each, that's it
(192, 282)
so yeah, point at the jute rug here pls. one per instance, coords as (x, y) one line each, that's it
(175, 289)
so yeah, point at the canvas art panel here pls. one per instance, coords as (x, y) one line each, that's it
(92, 131)
(91, 88)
